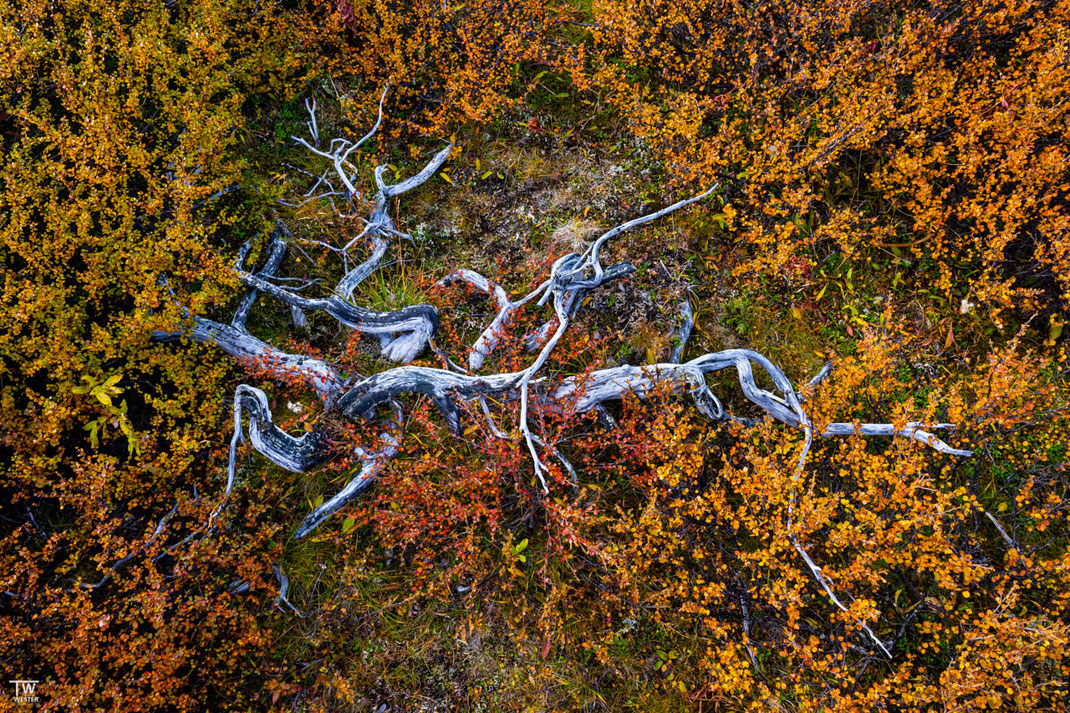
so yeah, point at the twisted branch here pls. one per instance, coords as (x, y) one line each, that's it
(404, 334)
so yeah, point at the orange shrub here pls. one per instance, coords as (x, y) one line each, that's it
(122, 125)
(445, 63)
(932, 128)
(674, 561)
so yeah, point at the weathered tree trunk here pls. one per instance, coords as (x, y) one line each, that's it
(405, 333)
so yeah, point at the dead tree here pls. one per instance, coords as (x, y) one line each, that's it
(407, 332)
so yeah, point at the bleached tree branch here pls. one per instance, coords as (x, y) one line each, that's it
(816, 572)
(406, 332)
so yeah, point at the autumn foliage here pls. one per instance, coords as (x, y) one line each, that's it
(446, 63)
(920, 147)
(936, 129)
(120, 125)
(673, 560)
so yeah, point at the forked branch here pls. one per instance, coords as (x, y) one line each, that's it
(406, 332)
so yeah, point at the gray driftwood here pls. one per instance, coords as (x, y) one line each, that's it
(456, 390)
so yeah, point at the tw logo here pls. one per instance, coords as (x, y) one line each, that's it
(26, 691)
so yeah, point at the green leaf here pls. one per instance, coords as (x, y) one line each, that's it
(318, 501)
(486, 175)
(348, 524)
(103, 397)
(523, 545)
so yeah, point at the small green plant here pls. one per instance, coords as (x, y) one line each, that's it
(391, 292)
(736, 312)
